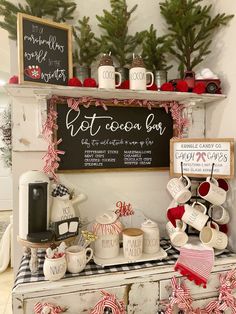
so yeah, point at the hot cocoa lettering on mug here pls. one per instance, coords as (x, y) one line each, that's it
(219, 239)
(66, 213)
(175, 188)
(106, 244)
(137, 76)
(108, 75)
(80, 261)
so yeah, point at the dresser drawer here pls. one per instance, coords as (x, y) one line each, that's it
(77, 302)
(209, 291)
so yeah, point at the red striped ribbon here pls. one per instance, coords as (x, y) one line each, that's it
(109, 300)
(54, 309)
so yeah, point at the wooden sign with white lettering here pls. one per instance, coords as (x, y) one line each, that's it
(198, 155)
(120, 137)
(44, 51)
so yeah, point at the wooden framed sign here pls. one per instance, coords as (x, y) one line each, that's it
(120, 137)
(44, 51)
(198, 155)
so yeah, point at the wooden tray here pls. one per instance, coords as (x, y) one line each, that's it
(120, 259)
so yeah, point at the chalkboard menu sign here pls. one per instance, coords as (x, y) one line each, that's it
(44, 51)
(121, 137)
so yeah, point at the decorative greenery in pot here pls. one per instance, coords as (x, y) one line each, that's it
(57, 10)
(116, 38)
(87, 49)
(154, 55)
(191, 27)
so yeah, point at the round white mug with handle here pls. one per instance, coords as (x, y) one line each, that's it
(210, 191)
(178, 236)
(194, 217)
(77, 258)
(179, 189)
(213, 237)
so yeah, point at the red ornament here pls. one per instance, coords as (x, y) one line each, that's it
(90, 82)
(167, 87)
(182, 86)
(199, 88)
(124, 85)
(13, 80)
(74, 81)
(152, 87)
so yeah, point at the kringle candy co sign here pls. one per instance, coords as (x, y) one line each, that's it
(198, 155)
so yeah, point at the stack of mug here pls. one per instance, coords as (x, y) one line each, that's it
(206, 219)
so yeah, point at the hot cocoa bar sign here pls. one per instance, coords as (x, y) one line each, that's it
(121, 137)
(198, 156)
(44, 49)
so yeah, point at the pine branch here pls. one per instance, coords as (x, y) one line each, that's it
(88, 46)
(192, 28)
(115, 38)
(57, 10)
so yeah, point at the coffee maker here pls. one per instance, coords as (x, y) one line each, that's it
(34, 206)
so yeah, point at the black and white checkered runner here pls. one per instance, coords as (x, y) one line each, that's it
(24, 275)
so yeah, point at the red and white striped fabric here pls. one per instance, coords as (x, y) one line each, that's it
(39, 308)
(195, 264)
(109, 300)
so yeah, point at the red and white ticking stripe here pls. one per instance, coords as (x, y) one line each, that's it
(196, 265)
(109, 300)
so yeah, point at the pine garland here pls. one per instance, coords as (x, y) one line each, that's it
(57, 10)
(5, 132)
(86, 42)
(155, 50)
(116, 38)
(191, 27)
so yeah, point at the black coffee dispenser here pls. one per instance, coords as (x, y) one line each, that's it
(34, 207)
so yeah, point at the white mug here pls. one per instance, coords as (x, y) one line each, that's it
(76, 258)
(194, 217)
(178, 236)
(132, 243)
(106, 77)
(213, 237)
(210, 191)
(178, 190)
(219, 214)
(138, 78)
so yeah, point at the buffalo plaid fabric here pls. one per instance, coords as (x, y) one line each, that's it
(24, 275)
(60, 190)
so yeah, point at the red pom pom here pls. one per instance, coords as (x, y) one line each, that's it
(182, 86)
(199, 88)
(124, 85)
(167, 87)
(90, 82)
(13, 80)
(74, 81)
(152, 87)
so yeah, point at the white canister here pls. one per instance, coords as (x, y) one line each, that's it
(108, 229)
(151, 237)
(54, 268)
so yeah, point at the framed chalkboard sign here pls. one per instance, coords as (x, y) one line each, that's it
(44, 51)
(121, 137)
(200, 156)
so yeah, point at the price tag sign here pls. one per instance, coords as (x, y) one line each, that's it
(198, 155)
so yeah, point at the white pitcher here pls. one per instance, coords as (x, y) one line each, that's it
(62, 207)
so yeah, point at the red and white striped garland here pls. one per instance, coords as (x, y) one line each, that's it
(109, 300)
(182, 298)
(54, 309)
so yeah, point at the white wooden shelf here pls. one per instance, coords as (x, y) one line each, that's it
(46, 91)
